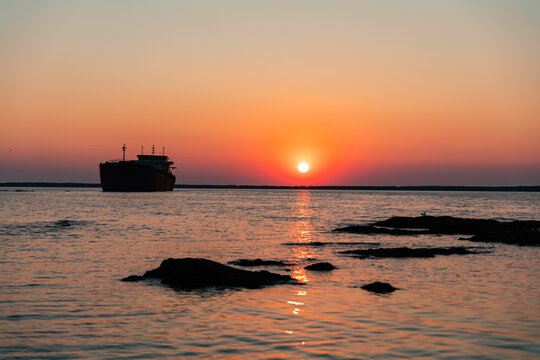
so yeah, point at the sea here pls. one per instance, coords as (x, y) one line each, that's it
(63, 252)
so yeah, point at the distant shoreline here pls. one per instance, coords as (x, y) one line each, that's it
(262, 187)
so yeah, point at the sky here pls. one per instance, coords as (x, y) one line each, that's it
(419, 92)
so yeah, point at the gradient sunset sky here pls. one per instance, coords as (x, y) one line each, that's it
(239, 92)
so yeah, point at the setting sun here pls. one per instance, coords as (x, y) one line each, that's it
(303, 167)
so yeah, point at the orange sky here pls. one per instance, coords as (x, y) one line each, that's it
(368, 93)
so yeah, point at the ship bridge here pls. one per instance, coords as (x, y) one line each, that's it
(160, 162)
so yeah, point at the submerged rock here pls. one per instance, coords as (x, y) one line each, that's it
(405, 252)
(258, 262)
(64, 222)
(523, 238)
(322, 266)
(193, 273)
(379, 287)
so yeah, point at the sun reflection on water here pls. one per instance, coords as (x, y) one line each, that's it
(300, 233)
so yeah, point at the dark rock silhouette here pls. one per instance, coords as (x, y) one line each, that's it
(405, 252)
(370, 229)
(523, 238)
(448, 225)
(258, 262)
(64, 222)
(322, 266)
(133, 278)
(193, 273)
(379, 287)
(515, 232)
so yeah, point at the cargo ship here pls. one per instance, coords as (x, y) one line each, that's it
(147, 173)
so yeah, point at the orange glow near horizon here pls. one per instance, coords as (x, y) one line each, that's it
(246, 107)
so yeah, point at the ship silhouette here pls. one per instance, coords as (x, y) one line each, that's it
(147, 173)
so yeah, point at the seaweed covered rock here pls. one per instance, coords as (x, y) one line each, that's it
(379, 287)
(405, 252)
(194, 273)
(322, 266)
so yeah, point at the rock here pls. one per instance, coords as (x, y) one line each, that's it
(258, 262)
(515, 232)
(448, 225)
(370, 229)
(132, 278)
(523, 238)
(63, 223)
(405, 252)
(322, 266)
(379, 287)
(193, 273)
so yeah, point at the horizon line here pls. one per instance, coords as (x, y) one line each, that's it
(522, 188)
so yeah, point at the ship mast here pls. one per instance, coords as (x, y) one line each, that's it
(124, 152)
(153, 149)
(164, 151)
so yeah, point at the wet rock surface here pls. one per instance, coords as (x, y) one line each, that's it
(322, 266)
(370, 229)
(518, 232)
(258, 262)
(523, 238)
(405, 252)
(379, 287)
(194, 273)
(448, 225)
(133, 278)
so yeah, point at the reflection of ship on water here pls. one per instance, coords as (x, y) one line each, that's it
(147, 173)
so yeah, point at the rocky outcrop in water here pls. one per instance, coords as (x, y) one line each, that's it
(379, 287)
(193, 273)
(370, 229)
(515, 232)
(523, 238)
(258, 262)
(405, 252)
(448, 225)
(322, 266)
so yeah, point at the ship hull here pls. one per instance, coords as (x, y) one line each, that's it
(127, 176)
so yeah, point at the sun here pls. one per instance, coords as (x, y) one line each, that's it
(303, 167)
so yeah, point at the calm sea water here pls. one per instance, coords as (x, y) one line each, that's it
(63, 251)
